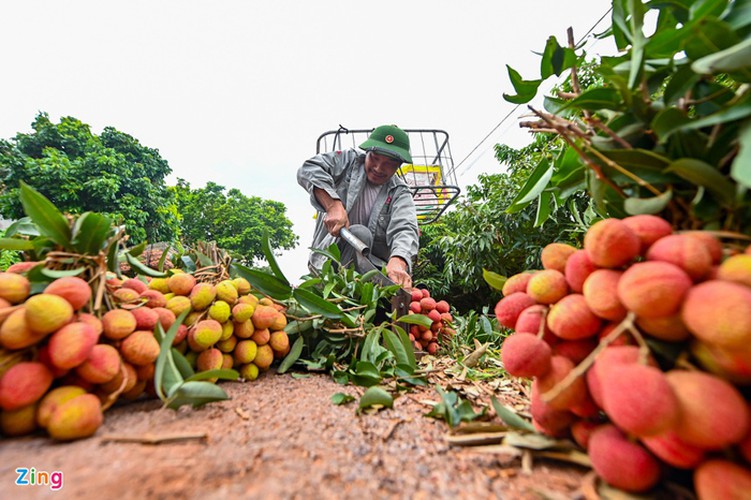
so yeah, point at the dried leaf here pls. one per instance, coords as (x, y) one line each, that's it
(476, 439)
(474, 358)
(243, 414)
(570, 456)
(499, 449)
(474, 427)
(149, 438)
(534, 441)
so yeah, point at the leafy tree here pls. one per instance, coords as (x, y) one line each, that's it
(236, 222)
(480, 234)
(112, 174)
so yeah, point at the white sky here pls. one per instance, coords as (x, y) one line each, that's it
(237, 92)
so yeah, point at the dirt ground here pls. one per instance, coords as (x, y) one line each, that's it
(280, 437)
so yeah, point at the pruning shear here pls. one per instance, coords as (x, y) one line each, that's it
(400, 301)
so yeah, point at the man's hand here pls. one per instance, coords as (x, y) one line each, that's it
(396, 270)
(335, 219)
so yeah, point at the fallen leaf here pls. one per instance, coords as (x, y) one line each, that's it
(476, 439)
(474, 358)
(149, 438)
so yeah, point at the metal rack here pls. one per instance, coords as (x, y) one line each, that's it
(431, 176)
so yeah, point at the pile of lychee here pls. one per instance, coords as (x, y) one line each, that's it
(430, 338)
(592, 329)
(226, 326)
(51, 359)
(61, 365)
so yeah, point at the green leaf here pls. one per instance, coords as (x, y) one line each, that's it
(310, 283)
(394, 344)
(16, 244)
(113, 259)
(665, 42)
(292, 356)
(466, 412)
(62, 273)
(408, 346)
(23, 226)
(638, 42)
(137, 250)
(222, 374)
(543, 208)
(266, 283)
(525, 89)
(708, 36)
(316, 304)
(340, 398)
(741, 169)
(680, 83)
(90, 233)
(621, 34)
(375, 396)
(332, 252)
(555, 59)
(668, 121)
(266, 247)
(143, 269)
(701, 9)
(510, 418)
(163, 258)
(597, 99)
(495, 280)
(196, 394)
(452, 409)
(371, 344)
(654, 205)
(633, 159)
(366, 374)
(182, 364)
(415, 319)
(166, 374)
(45, 215)
(732, 59)
(297, 326)
(733, 111)
(702, 174)
(535, 183)
(188, 264)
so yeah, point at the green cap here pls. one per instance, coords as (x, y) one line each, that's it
(389, 140)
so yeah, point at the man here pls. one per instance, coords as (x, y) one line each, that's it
(359, 191)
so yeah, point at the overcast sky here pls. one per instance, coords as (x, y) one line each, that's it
(237, 92)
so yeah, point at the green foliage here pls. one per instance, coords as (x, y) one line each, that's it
(453, 409)
(665, 129)
(234, 221)
(338, 324)
(475, 327)
(8, 257)
(480, 234)
(510, 417)
(111, 174)
(174, 381)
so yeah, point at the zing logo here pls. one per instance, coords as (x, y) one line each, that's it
(32, 477)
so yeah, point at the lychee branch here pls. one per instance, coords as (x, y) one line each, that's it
(581, 368)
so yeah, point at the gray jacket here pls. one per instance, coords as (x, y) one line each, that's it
(393, 220)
